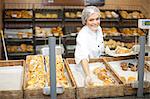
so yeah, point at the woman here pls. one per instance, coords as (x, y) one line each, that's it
(90, 43)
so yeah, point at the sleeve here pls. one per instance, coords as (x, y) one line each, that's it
(102, 46)
(81, 51)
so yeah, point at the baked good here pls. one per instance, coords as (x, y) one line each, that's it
(103, 70)
(20, 35)
(122, 50)
(96, 70)
(54, 15)
(14, 48)
(131, 79)
(29, 48)
(102, 15)
(102, 76)
(123, 79)
(72, 15)
(134, 68)
(23, 47)
(124, 66)
(78, 14)
(108, 14)
(108, 82)
(67, 14)
(29, 34)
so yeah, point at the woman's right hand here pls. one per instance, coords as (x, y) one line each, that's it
(89, 80)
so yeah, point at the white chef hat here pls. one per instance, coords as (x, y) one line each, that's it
(87, 12)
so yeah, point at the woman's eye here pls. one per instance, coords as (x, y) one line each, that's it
(91, 19)
(97, 19)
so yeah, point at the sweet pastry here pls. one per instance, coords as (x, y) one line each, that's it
(102, 76)
(108, 82)
(123, 79)
(122, 50)
(96, 70)
(134, 68)
(103, 70)
(124, 66)
(131, 79)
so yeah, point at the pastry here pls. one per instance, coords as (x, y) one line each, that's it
(122, 50)
(131, 79)
(20, 35)
(103, 70)
(96, 70)
(102, 76)
(134, 68)
(29, 48)
(108, 82)
(124, 66)
(23, 47)
(78, 14)
(123, 79)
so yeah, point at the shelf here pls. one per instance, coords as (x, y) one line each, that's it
(18, 20)
(18, 26)
(20, 54)
(73, 20)
(44, 38)
(122, 38)
(19, 40)
(110, 20)
(46, 19)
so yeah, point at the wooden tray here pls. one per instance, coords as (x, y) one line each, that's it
(13, 94)
(97, 91)
(69, 92)
(128, 90)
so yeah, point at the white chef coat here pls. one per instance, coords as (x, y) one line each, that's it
(89, 44)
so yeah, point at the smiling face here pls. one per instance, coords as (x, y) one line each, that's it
(93, 21)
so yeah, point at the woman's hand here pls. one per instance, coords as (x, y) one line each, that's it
(89, 80)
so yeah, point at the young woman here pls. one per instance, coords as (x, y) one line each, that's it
(90, 43)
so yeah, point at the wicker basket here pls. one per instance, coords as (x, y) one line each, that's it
(128, 90)
(13, 94)
(99, 91)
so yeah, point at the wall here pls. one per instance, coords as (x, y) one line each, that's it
(146, 7)
(0, 25)
(108, 3)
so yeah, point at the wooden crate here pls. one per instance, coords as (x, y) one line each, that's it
(69, 93)
(128, 90)
(13, 94)
(97, 91)
(147, 58)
